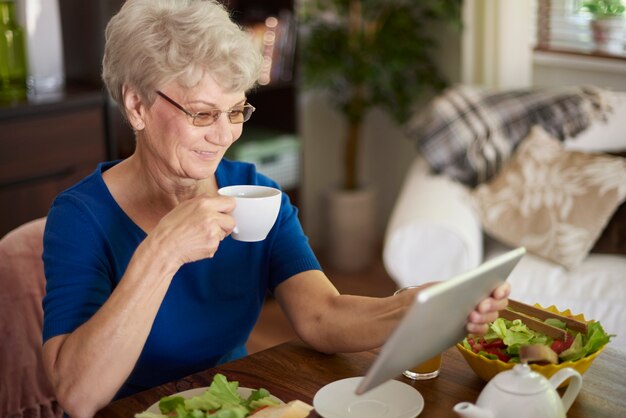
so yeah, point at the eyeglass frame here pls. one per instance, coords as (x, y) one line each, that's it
(194, 116)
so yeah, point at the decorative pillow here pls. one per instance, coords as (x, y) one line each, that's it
(552, 201)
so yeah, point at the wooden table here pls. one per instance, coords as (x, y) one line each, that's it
(294, 371)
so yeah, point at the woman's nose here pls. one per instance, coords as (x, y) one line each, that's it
(220, 132)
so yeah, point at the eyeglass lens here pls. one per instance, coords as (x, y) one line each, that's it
(236, 115)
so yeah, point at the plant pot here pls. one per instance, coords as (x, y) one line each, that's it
(608, 34)
(351, 229)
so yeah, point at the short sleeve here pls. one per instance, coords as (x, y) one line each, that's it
(77, 274)
(291, 253)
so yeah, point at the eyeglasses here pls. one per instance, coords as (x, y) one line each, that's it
(238, 114)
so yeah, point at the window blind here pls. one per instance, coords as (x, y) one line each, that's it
(563, 26)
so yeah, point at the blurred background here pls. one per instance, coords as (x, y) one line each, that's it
(62, 124)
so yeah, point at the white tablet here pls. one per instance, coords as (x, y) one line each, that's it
(437, 319)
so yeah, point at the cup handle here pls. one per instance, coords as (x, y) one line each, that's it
(235, 230)
(572, 389)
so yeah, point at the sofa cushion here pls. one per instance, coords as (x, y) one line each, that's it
(434, 232)
(552, 201)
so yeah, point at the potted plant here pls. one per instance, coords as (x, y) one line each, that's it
(607, 24)
(366, 54)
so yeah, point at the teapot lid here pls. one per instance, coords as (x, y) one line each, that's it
(522, 380)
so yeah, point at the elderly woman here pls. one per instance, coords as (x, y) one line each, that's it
(144, 283)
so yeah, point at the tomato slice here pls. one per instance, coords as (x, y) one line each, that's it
(559, 346)
(476, 345)
(497, 343)
(497, 352)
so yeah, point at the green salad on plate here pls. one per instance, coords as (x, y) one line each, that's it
(220, 400)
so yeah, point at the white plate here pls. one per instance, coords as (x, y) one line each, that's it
(243, 392)
(392, 399)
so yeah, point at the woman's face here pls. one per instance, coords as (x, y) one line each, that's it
(177, 146)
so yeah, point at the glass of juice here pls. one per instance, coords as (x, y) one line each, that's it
(428, 369)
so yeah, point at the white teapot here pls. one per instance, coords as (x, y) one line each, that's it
(523, 393)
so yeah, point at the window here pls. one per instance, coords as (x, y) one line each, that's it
(563, 26)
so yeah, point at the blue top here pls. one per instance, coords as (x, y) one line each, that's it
(211, 305)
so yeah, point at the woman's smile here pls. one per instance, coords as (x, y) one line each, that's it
(207, 155)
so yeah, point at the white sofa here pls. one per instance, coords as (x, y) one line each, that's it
(435, 232)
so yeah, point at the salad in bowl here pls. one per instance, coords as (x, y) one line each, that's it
(500, 348)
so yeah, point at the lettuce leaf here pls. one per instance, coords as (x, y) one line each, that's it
(224, 390)
(596, 338)
(205, 402)
(230, 411)
(575, 351)
(256, 404)
(259, 398)
(585, 345)
(169, 404)
(515, 334)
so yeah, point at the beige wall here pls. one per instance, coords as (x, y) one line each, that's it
(554, 70)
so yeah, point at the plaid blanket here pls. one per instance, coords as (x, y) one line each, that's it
(468, 133)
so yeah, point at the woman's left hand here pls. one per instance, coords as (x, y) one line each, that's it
(487, 310)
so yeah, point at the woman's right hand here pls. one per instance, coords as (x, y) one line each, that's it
(195, 228)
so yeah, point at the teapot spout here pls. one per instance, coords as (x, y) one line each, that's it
(469, 410)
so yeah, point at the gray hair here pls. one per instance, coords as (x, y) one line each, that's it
(150, 43)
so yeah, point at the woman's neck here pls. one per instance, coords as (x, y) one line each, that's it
(146, 192)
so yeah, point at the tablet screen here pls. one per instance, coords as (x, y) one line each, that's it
(437, 319)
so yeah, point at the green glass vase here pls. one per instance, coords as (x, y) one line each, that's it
(13, 68)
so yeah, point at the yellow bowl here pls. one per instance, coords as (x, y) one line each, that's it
(487, 368)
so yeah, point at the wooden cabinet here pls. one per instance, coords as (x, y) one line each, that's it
(275, 102)
(275, 118)
(45, 148)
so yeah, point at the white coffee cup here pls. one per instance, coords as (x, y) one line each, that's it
(256, 211)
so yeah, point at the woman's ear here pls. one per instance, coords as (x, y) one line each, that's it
(134, 107)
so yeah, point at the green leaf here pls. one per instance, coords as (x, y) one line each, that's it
(556, 323)
(585, 345)
(262, 402)
(576, 350)
(169, 404)
(224, 391)
(205, 402)
(230, 411)
(604, 8)
(488, 355)
(596, 338)
(181, 412)
(466, 344)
